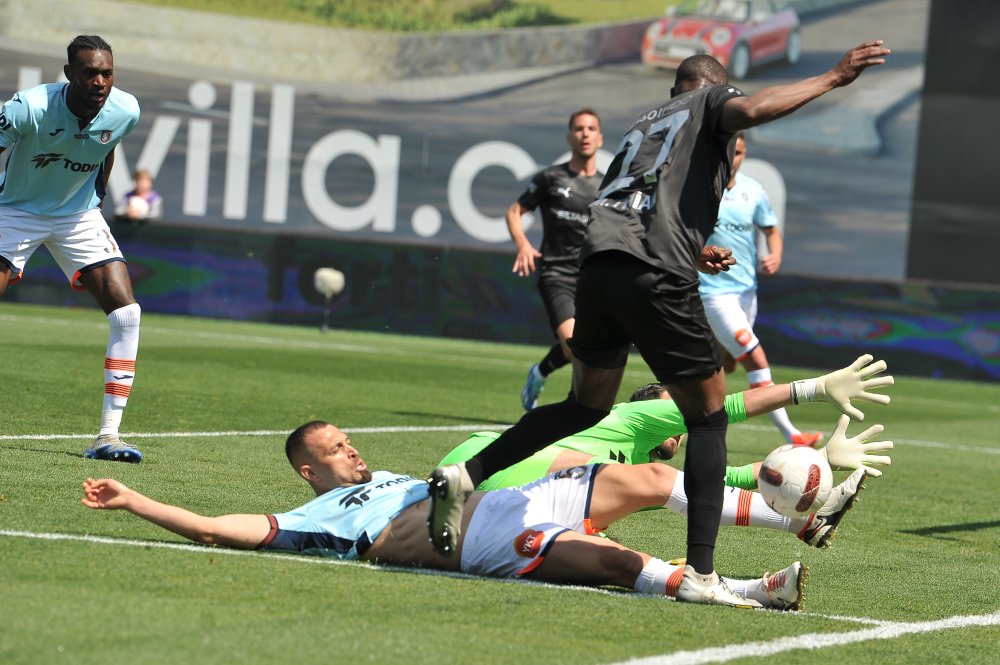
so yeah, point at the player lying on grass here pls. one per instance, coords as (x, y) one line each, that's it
(650, 427)
(543, 531)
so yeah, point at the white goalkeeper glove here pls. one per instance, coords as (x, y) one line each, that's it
(840, 387)
(853, 453)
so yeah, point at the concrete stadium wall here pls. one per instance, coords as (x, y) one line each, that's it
(322, 55)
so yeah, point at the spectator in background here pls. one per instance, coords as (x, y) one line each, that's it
(142, 203)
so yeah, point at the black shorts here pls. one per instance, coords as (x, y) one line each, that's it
(621, 300)
(557, 286)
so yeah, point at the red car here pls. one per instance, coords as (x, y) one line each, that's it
(738, 33)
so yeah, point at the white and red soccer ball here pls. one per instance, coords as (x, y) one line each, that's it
(795, 480)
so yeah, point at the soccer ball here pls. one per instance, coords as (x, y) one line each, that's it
(795, 480)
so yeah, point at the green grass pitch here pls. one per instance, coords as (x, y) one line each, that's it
(82, 586)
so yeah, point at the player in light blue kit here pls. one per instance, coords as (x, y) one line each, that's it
(730, 298)
(542, 531)
(60, 139)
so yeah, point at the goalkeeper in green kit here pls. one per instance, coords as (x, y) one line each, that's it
(650, 427)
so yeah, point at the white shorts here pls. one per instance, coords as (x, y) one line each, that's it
(76, 242)
(513, 528)
(731, 316)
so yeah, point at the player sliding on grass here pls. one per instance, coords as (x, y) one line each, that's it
(543, 531)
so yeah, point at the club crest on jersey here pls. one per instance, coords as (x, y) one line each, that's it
(529, 543)
(105, 136)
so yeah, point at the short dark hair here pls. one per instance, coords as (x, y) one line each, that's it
(86, 43)
(700, 68)
(586, 110)
(647, 392)
(297, 439)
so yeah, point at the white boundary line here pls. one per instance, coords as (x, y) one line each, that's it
(297, 558)
(392, 429)
(493, 427)
(909, 442)
(361, 565)
(883, 630)
(886, 631)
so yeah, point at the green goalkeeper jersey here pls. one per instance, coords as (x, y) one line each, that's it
(627, 435)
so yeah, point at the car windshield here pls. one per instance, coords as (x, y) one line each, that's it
(725, 10)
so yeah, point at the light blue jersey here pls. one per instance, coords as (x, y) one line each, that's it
(54, 168)
(344, 522)
(742, 208)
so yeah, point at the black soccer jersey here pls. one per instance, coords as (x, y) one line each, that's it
(563, 197)
(660, 198)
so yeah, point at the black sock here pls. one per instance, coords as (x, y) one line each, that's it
(704, 478)
(535, 430)
(553, 360)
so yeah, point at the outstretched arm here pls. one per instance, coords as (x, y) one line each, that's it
(773, 102)
(841, 387)
(239, 531)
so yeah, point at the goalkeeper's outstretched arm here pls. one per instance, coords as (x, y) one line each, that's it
(839, 388)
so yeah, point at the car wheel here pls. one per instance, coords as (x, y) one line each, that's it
(739, 62)
(793, 49)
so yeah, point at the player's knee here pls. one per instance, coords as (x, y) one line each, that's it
(126, 317)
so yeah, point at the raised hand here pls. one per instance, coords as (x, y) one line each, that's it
(850, 383)
(858, 59)
(853, 453)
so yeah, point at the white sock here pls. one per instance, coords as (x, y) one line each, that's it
(739, 508)
(744, 508)
(659, 578)
(678, 501)
(119, 365)
(752, 589)
(784, 424)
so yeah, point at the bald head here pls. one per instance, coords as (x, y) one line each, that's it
(698, 71)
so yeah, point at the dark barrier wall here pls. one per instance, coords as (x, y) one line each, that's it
(956, 200)
(919, 330)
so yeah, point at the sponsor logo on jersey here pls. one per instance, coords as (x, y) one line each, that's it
(743, 337)
(359, 496)
(529, 543)
(105, 136)
(565, 191)
(356, 497)
(56, 132)
(572, 216)
(80, 167)
(43, 159)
